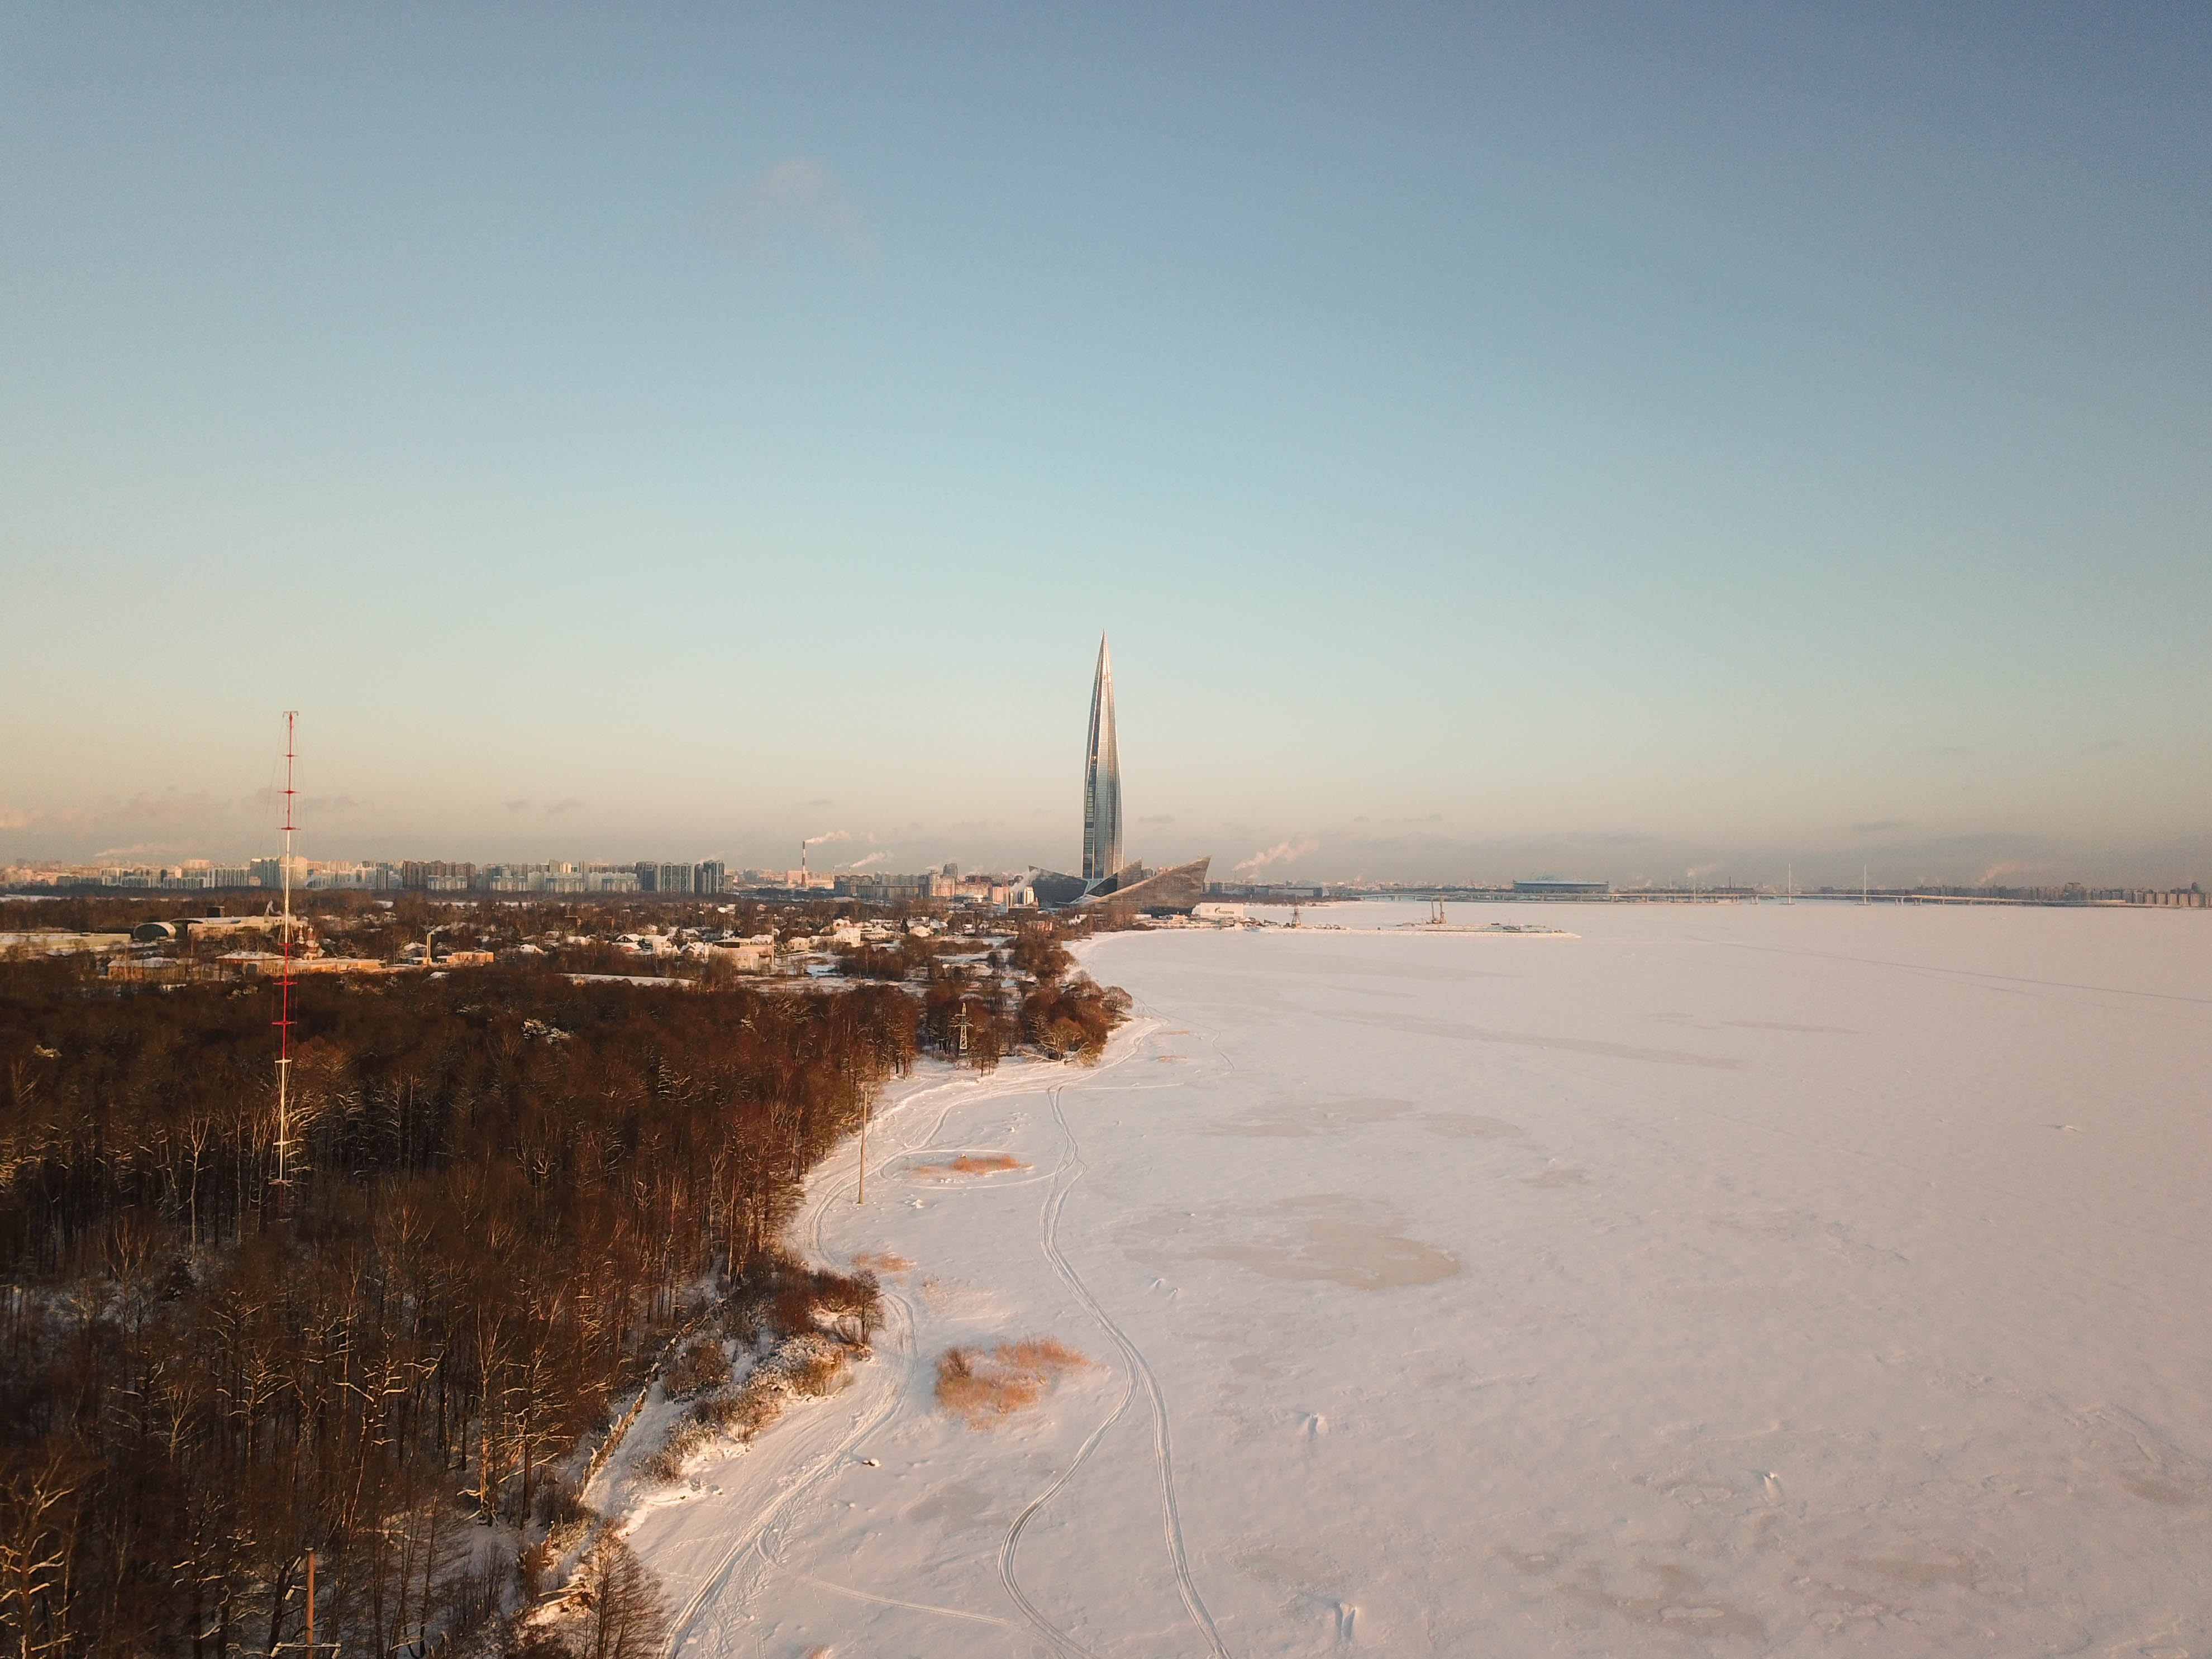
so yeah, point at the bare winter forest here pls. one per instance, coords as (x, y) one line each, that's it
(508, 1191)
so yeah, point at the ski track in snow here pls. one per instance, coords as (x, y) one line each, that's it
(1698, 1313)
(681, 1628)
(1063, 1177)
(1140, 1369)
(888, 1381)
(730, 1577)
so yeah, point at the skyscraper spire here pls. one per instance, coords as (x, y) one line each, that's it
(1102, 779)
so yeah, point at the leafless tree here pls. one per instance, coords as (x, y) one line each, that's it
(623, 1613)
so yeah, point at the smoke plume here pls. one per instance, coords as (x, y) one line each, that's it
(1283, 852)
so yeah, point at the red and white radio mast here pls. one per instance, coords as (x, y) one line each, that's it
(284, 989)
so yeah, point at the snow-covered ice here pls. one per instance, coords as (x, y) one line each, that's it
(1811, 1279)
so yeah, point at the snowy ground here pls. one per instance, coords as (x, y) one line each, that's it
(1815, 1279)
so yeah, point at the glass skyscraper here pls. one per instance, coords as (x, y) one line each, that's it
(1102, 779)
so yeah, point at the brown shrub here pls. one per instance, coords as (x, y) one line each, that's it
(1073, 1021)
(855, 1304)
(804, 1296)
(882, 1261)
(701, 1367)
(541, 1642)
(807, 1365)
(983, 1388)
(665, 1463)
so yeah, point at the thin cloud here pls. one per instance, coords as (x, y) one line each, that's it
(167, 807)
(518, 805)
(797, 199)
(560, 806)
(264, 799)
(2103, 746)
(16, 818)
(1878, 826)
(1538, 844)
(1158, 817)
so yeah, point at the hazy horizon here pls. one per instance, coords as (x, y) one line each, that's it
(1589, 441)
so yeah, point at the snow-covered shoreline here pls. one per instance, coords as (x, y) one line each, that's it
(1742, 1279)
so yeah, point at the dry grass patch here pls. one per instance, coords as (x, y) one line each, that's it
(882, 1261)
(968, 1164)
(982, 1386)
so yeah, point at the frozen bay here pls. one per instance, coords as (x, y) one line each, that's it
(1811, 1279)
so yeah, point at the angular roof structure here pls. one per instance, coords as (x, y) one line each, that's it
(1156, 892)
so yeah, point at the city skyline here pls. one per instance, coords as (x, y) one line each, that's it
(1499, 444)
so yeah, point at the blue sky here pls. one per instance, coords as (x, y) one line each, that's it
(1623, 440)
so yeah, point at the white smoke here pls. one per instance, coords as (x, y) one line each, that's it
(827, 835)
(873, 858)
(1283, 852)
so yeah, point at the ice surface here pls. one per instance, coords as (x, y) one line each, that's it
(1811, 1279)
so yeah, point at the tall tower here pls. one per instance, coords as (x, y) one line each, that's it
(1102, 779)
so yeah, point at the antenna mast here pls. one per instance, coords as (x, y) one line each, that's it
(284, 987)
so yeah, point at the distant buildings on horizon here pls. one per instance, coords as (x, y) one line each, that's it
(708, 878)
(1107, 877)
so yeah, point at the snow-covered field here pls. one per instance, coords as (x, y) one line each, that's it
(1810, 1278)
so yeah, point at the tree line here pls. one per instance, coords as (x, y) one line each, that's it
(505, 1192)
